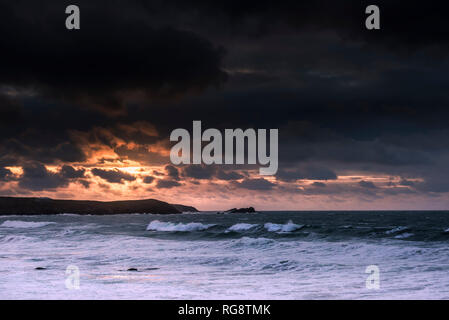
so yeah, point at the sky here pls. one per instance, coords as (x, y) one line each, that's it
(362, 115)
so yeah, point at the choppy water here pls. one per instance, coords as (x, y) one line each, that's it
(271, 255)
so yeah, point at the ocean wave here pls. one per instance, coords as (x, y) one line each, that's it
(15, 238)
(241, 227)
(446, 231)
(24, 224)
(157, 225)
(251, 242)
(397, 229)
(283, 265)
(288, 227)
(404, 235)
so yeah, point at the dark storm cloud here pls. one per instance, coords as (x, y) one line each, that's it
(319, 184)
(36, 177)
(208, 172)
(15, 150)
(167, 184)
(308, 173)
(111, 58)
(199, 172)
(71, 173)
(405, 182)
(148, 179)
(367, 184)
(254, 184)
(373, 102)
(172, 172)
(5, 174)
(85, 183)
(228, 175)
(10, 110)
(399, 26)
(113, 176)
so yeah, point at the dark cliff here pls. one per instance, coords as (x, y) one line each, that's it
(41, 206)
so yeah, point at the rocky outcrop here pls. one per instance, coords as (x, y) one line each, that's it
(184, 208)
(241, 210)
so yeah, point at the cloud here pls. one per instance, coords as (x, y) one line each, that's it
(306, 173)
(113, 176)
(228, 175)
(36, 177)
(10, 110)
(319, 184)
(71, 173)
(172, 172)
(113, 59)
(255, 184)
(84, 183)
(262, 18)
(367, 184)
(148, 179)
(199, 171)
(167, 184)
(405, 182)
(345, 100)
(210, 172)
(5, 174)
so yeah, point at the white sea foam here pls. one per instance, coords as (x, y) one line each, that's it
(288, 227)
(396, 230)
(15, 238)
(241, 227)
(286, 267)
(447, 230)
(404, 235)
(24, 224)
(251, 242)
(157, 225)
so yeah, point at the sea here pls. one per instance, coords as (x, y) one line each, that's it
(265, 255)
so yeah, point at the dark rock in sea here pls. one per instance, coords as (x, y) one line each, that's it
(132, 269)
(241, 210)
(42, 206)
(151, 269)
(40, 268)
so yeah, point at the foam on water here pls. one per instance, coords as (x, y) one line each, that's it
(15, 238)
(264, 259)
(157, 225)
(24, 224)
(404, 235)
(241, 227)
(397, 229)
(288, 227)
(251, 242)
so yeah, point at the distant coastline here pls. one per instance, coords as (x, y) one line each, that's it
(45, 206)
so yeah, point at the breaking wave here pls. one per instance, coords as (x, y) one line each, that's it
(288, 227)
(157, 225)
(397, 230)
(404, 235)
(241, 227)
(15, 238)
(251, 242)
